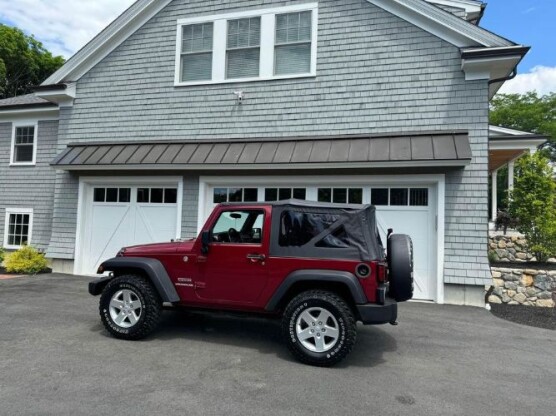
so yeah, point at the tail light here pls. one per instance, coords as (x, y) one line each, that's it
(381, 272)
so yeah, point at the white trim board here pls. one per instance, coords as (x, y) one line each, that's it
(206, 183)
(11, 211)
(87, 182)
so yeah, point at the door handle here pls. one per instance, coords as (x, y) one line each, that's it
(256, 257)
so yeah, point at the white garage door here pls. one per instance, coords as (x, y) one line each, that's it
(406, 209)
(117, 217)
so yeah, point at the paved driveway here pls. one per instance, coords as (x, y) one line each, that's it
(55, 359)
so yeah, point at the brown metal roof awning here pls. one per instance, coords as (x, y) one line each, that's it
(424, 150)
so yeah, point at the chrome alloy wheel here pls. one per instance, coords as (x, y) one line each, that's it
(317, 329)
(125, 308)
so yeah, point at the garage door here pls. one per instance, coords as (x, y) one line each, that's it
(406, 209)
(117, 217)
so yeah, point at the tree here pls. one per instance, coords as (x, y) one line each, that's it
(24, 62)
(532, 204)
(527, 112)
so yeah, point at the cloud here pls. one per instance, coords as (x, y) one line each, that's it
(541, 79)
(63, 26)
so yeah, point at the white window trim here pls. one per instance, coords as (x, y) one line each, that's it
(268, 23)
(24, 123)
(14, 211)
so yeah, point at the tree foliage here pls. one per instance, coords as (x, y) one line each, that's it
(24, 62)
(532, 204)
(527, 112)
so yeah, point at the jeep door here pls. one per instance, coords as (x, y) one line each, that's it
(235, 269)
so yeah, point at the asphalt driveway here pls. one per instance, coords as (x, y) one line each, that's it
(56, 359)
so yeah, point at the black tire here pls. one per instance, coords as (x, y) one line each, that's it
(343, 316)
(151, 307)
(400, 264)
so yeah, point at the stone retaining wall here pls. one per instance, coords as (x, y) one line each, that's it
(524, 287)
(508, 248)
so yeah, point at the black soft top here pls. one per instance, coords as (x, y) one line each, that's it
(322, 230)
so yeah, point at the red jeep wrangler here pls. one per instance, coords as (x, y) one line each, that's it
(321, 267)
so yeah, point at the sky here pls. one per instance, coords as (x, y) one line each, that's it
(64, 26)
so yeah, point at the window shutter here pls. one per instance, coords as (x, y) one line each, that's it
(243, 48)
(293, 43)
(197, 44)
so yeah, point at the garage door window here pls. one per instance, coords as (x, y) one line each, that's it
(341, 195)
(221, 195)
(112, 195)
(400, 197)
(157, 195)
(282, 194)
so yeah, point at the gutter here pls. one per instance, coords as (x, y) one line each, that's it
(474, 53)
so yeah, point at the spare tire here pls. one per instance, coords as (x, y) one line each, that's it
(400, 265)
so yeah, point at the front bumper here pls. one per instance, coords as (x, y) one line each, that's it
(97, 286)
(373, 314)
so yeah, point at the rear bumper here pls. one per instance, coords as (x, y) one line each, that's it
(373, 314)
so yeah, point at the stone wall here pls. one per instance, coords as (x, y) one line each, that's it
(507, 248)
(523, 287)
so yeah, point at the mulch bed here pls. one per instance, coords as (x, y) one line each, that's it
(526, 315)
(4, 275)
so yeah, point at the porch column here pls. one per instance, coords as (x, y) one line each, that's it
(494, 199)
(511, 167)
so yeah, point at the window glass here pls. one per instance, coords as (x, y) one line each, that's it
(125, 195)
(18, 229)
(398, 196)
(235, 195)
(243, 48)
(196, 59)
(112, 195)
(293, 43)
(271, 194)
(99, 195)
(238, 227)
(143, 195)
(419, 197)
(24, 144)
(157, 195)
(250, 195)
(220, 195)
(298, 228)
(170, 196)
(284, 194)
(300, 193)
(356, 196)
(325, 195)
(340, 196)
(379, 196)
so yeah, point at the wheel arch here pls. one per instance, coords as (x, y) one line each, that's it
(345, 284)
(152, 269)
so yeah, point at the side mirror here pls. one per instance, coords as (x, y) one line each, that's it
(205, 240)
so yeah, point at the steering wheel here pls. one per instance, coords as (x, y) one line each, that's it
(234, 235)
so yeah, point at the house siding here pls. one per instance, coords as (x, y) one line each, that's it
(376, 73)
(454, 10)
(29, 186)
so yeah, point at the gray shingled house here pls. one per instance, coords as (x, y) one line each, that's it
(179, 105)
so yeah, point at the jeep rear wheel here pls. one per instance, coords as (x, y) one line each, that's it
(319, 328)
(130, 307)
(400, 265)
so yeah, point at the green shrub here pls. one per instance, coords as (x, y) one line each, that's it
(532, 204)
(26, 260)
(2, 253)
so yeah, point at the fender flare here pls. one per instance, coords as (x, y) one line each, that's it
(152, 268)
(346, 278)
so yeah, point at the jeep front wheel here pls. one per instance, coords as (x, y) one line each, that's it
(319, 327)
(130, 307)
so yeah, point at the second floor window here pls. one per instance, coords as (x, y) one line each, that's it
(250, 45)
(196, 56)
(243, 48)
(293, 43)
(24, 145)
